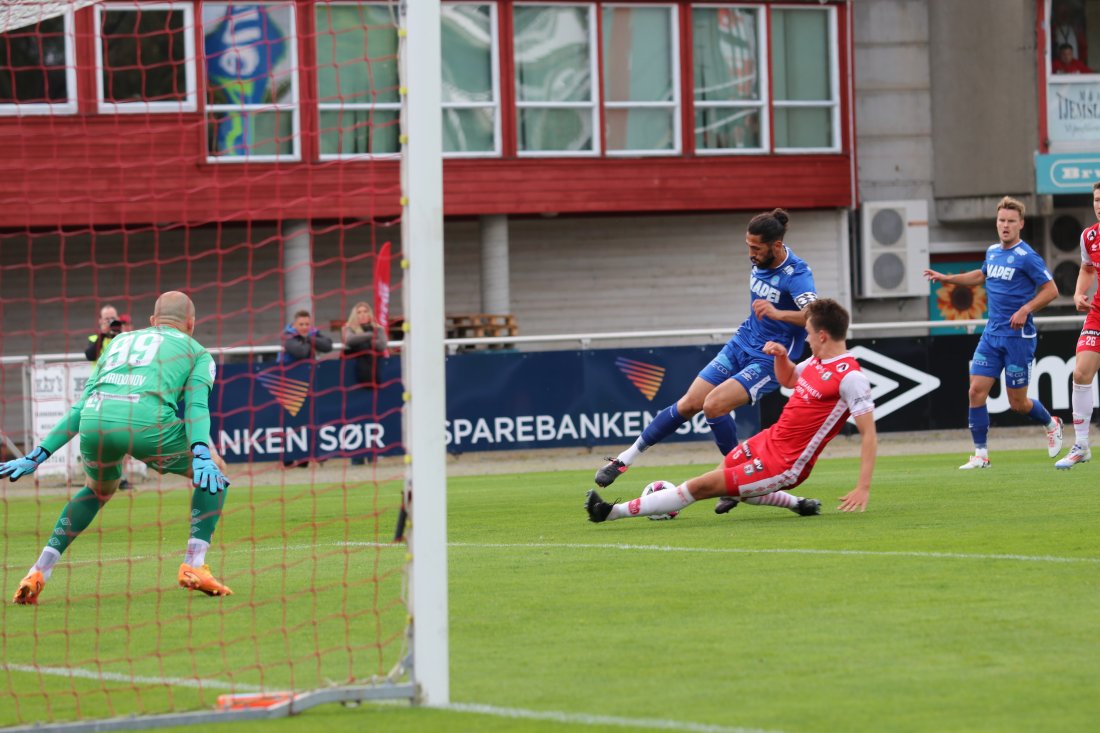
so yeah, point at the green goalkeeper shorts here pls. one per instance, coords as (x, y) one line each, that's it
(105, 444)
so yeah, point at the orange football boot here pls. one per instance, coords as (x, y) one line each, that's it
(201, 579)
(29, 589)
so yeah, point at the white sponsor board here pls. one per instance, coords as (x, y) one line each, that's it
(54, 389)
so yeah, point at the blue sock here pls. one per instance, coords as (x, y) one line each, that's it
(1039, 413)
(664, 424)
(724, 430)
(979, 425)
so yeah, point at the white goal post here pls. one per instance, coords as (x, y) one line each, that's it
(422, 233)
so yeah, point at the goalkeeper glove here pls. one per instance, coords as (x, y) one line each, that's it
(206, 474)
(25, 465)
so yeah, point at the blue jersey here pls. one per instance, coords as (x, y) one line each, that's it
(789, 287)
(1012, 276)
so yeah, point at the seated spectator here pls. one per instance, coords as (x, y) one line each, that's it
(1067, 64)
(364, 341)
(110, 325)
(302, 341)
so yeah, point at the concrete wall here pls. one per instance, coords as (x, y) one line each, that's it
(893, 100)
(984, 87)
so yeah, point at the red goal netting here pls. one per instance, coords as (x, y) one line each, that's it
(246, 156)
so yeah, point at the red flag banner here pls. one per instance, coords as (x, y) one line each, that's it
(382, 289)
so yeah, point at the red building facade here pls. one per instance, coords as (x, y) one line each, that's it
(124, 113)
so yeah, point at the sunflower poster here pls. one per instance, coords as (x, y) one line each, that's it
(949, 302)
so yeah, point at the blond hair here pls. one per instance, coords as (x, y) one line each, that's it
(353, 322)
(1012, 204)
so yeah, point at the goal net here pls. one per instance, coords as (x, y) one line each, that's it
(248, 156)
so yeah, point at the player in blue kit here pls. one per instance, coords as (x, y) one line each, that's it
(780, 287)
(1017, 283)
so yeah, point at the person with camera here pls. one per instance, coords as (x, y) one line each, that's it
(110, 325)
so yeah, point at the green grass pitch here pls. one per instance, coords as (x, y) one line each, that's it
(960, 601)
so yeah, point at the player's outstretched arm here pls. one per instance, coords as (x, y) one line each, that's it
(28, 464)
(856, 499)
(972, 277)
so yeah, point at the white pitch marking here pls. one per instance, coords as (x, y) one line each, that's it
(588, 719)
(91, 674)
(786, 551)
(617, 546)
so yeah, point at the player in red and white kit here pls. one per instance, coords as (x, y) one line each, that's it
(828, 387)
(1088, 344)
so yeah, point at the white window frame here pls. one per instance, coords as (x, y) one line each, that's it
(294, 106)
(358, 106)
(494, 60)
(834, 83)
(762, 105)
(674, 104)
(68, 107)
(190, 101)
(593, 105)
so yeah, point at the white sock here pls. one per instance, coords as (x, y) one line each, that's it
(981, 452)
(1081, 400)
(46, 561)
(659, 502)
(631, 454)
(196, 552)
(776, 498)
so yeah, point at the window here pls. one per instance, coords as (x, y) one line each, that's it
(1073, 83)
(357, 85)
(37, 68)
(471, 115)
(252, 84)
(145, 57)
(804, 84)
(641, 89)
(738, 108)
(730, 81)
(1069, 38)
(556, 112)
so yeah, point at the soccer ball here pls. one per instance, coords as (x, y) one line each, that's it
(660, 486)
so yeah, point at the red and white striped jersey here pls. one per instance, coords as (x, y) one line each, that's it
(828, 391)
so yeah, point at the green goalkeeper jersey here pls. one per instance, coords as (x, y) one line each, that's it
(140, 380)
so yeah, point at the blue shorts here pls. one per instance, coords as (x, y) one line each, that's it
(1010, 354)
(755, 374)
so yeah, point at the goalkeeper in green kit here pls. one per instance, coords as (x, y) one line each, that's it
(129, 406)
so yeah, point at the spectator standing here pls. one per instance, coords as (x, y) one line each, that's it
(110, 325)
(1067, 28)
(364, 341)
(302, 341)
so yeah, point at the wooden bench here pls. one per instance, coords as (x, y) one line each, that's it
(482, 325)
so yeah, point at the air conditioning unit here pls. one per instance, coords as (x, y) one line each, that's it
(1062, 248)
(893, 246)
